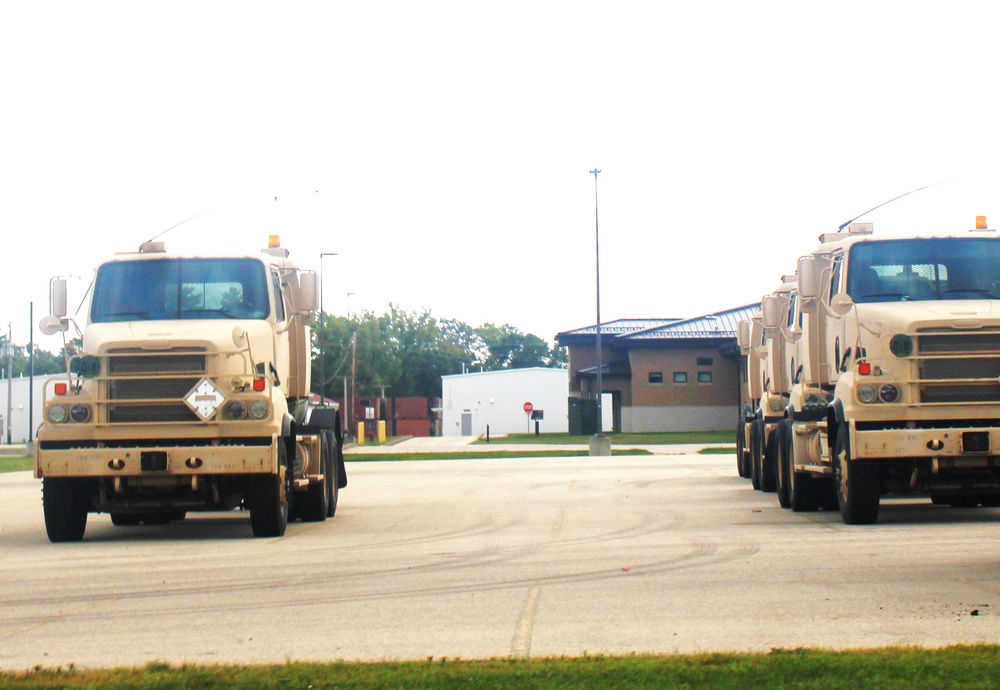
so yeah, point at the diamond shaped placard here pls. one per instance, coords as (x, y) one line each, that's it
(205, 399)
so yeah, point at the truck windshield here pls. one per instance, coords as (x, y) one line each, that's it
(165, 289)
(924, 269)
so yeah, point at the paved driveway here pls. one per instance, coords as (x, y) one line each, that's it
(498, 558)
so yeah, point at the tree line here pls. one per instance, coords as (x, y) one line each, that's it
(405, 353)
(402, 352)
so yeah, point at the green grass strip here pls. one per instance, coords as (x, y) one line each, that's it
(483, 455)
(728, 450)
(652, 439)
(966, 667)
(16, 463)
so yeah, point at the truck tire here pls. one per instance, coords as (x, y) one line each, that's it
(755, 454)
(269, 499)
(784, 462)
(858, 483)
(769, 463)
(317, 496)
(741, 464)
(65, 509)
(336, 459)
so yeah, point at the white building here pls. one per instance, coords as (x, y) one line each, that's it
(472, 402)
(21, 401)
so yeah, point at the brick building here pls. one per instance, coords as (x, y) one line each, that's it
(662, 374)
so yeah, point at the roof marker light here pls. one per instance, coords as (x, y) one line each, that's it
(980, 222)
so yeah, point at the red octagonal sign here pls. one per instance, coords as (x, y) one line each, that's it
(527, 407)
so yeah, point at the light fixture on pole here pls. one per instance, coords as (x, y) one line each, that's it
(322, 324)
(599, 444)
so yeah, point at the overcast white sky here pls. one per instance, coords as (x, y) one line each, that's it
(442, 149)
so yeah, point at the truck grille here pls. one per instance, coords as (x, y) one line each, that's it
(959, 366)
(145, 387)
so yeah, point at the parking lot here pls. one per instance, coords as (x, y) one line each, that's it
(498, 558)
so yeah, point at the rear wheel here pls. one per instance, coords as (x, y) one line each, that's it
(741, 464)
(336, 460)
(317, 496)
(769, 462)
(784, 462)
(65, 507)
(269, 499)
(755, 431)
(858, 482)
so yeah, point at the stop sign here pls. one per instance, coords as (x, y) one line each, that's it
(527, 407)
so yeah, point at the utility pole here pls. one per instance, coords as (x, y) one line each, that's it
(322, 331)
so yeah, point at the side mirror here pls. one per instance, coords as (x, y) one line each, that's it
(808, 278)
(743, 336)
(770, 308)
(841, 304)
(308, 292)
(57, 297)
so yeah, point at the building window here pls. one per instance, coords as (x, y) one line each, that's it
(680, 377)
(704, 377)
(656, 377)
(704, 361)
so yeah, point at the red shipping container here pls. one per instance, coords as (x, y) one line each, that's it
(411, 408)
(413, 427)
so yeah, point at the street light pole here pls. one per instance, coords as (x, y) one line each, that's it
(322, 337)
(599, 444)
(10, 373)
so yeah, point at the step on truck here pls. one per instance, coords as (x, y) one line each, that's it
(190, 393)
(897, 383)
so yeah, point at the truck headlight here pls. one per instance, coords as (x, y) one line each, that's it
(80, 413)
(57, 414)
(236, 410)
(867, 393)
(259, 409)
(888, 393)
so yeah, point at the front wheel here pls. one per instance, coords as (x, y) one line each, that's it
(741, 463)
(769, 462)
(65, 507)
(858, 483)
(784, 462)
(268, 496)
(755, 432)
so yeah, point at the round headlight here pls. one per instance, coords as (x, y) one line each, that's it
(79, 413)
(867, 393)
(888, 393)
(259, 409)
(57, 414)
(236, 410)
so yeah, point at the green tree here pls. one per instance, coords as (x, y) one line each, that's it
(509, 348)
(45, 363)
(405, 353)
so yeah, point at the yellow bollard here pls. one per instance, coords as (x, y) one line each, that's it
(381, 431)
(360, 438)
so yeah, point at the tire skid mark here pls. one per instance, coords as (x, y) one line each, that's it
(697, 556)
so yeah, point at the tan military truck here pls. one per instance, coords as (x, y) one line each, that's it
(897, 386)
(750, 338)
(190, 393)
(774, 389)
